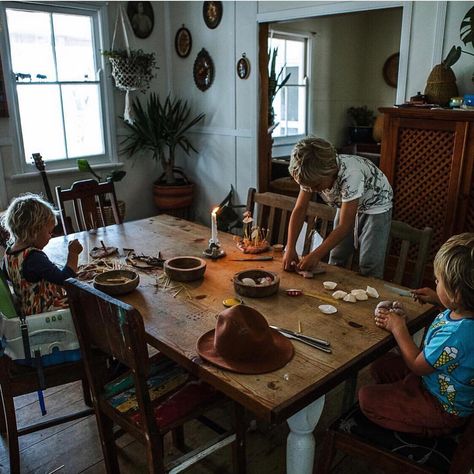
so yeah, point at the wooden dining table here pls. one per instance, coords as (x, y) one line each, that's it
(174, 321)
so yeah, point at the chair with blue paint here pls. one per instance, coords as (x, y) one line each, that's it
(22, 373)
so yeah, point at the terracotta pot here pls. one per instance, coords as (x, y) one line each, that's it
(173, 197)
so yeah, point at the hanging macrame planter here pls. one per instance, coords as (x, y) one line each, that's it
(132, 70)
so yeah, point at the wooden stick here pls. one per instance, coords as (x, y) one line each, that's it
(103, 245)
(300, 330)
(319, 297)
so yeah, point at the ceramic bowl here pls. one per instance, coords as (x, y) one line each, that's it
(257, 291)
(185, 268)
(116, 282)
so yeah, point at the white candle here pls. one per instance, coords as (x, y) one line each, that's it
(214, 238)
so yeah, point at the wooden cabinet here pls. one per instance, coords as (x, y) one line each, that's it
(428, 157)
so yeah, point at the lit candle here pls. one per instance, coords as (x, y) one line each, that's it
(214, 239)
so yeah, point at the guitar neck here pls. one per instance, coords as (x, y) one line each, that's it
(47, 189)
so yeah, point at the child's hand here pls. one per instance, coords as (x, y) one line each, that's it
(309, 262)
(290, 260)
(426, 295)
(74, 247)
(390, 319)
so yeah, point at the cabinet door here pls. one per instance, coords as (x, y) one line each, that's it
(422, 160)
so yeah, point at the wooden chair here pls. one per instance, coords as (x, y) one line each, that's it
(89, 199)
(154, 397)
(395, 452)
(274, 210)
(410, 262)
(16, 380)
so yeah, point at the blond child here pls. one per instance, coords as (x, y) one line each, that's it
(430, 391)
(363, 198)
(36, 280)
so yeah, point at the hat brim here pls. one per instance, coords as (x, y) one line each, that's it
(281, 353)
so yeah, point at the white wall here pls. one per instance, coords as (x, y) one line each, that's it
(228, 139)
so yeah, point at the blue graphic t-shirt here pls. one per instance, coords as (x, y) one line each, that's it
(449, 348)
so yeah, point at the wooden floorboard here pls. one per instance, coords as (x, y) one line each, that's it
(75, 448)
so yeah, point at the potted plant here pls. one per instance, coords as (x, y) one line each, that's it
(362, 121)
(161, 128)
(114, 176)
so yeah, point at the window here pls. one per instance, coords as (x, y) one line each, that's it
(290, 103)
(58, 87)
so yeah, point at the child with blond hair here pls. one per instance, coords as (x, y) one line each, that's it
(36, 280)
(430, 391)
(363, 198)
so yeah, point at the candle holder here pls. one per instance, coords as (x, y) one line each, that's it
(214, 251)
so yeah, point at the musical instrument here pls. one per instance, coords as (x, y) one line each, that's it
(40, 166)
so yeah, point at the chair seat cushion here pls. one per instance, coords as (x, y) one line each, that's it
(435, 453)
(172, 393)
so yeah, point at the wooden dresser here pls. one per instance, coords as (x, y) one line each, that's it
(428, 157)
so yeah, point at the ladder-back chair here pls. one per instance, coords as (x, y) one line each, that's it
(155, 396)
(412, 245)
(89, 200)
(16, 380)
(274, 210)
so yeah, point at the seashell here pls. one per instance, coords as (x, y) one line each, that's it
(327, 309)
(339, 295)
(329, 285)
(361, 296)
(372, 292)
(357, 290)
(249, 281)
(350, 298)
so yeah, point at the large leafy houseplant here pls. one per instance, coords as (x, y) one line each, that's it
(161, 128)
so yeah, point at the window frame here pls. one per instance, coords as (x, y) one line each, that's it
(99, 16)
(283, 142)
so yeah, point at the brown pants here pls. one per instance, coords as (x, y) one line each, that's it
(399, 401)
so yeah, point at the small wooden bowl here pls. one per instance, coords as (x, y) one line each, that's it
(185, 268)
(256, 291)
(116, 282)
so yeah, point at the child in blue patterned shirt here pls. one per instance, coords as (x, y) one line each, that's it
(430, 391)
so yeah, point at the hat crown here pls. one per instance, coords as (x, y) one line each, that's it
(243, 334)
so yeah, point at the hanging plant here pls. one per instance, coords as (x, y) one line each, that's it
(132, 70)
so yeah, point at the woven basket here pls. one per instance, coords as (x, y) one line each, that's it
(441, 85)
(128, 75)
(109, 214)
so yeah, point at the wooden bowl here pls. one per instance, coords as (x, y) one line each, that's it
(256, 291)
(116, 282)
(185, 268)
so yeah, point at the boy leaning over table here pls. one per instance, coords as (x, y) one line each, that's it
(363, 198)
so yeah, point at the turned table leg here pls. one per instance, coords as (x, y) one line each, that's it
(300, 443)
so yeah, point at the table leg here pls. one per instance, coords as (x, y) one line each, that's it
(300, 443)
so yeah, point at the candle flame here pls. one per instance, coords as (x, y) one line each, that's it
(214, 211)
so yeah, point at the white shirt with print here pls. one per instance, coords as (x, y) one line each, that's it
(359, 178)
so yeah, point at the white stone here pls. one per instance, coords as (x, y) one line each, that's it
(329, 285)
(350, 298)
(372, 292)
(339, 295)
(327, 309)
(248, 282)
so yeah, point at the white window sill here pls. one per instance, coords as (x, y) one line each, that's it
(71, 170)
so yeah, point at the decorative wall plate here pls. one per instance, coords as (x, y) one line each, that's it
(141, 18)
(212, 14)
(203, 70)
(390, 70)
(243, 67)
(183, 42)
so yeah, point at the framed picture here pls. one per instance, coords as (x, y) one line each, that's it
(183, 42)
(212, 14)
(203, 70)
(141, 18)
(243, 67)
